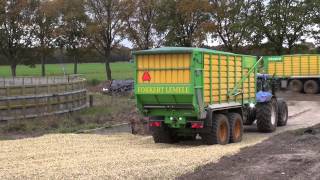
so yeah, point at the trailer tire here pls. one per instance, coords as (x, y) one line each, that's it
(163, 134)
(296, 85)
(219, 133)
(236, 127)
(311, 87)
(282, 113)
(267, 116)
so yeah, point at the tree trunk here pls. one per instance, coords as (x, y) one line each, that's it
(13, 70)
(230, 48)
(107, 65)
(290, 48)
(108, 70)
(279, 50)
(75, 60)
(43, 66)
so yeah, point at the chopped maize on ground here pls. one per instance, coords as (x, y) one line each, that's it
(123, 156)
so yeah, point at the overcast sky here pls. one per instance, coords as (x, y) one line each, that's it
(213, 42)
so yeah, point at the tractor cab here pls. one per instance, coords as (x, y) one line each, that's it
(266, 87)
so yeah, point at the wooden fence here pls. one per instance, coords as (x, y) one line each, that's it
(29, 97)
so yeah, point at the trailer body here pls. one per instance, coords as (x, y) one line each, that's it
(186, 81)
(183, 87)
(299, 72)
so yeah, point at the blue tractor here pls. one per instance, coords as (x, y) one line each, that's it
(270, 111)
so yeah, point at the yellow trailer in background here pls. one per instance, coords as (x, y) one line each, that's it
(301, 72)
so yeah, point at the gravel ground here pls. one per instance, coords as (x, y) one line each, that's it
(124, 156)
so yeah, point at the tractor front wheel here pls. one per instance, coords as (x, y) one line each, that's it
(249, 116)
(282, 113)
(267, 113)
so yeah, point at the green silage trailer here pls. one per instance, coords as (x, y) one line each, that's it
(193, 91)
(298, 72)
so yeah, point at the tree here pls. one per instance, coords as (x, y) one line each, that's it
(105, 27)
(140, 23)
(231, 23)
(183, 22)
(14, 34)
(45, 21)
(315, 14)
(282, 22)
(73, 28)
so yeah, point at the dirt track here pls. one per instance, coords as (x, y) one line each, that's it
(124, 156)
(293, 155)
(291, 96)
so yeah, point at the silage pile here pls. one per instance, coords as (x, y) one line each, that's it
(122, 156)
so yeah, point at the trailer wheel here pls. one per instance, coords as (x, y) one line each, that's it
(311, 87)
(236, 127)
(267, 116)
(219, 133)
(282, 113)
(163, 134)
(296, 85)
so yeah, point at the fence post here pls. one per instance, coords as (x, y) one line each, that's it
(22, 88)
(91, 100)
(8, 101)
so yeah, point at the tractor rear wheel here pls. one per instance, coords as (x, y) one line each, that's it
(219, 133)
(282, 113)
(311, 87)
(296, 85)
(267, 116)
(236, 127)
(163, 134)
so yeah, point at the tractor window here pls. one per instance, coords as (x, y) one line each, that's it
(263, 84)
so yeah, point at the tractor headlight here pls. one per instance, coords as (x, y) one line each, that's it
(251, 105)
